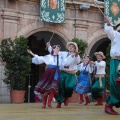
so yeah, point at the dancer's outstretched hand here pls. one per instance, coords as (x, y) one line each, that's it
(30, 52)
(48, 44)
(107, 20)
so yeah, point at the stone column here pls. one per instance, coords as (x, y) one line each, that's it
(10, 21)
(4, 91)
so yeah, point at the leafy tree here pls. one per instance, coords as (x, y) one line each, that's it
(17, 62)
(82, 46)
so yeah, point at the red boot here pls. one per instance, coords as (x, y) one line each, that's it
(109, 109)
(100, 100)
(44, 101)
(51, 95)
(81, 99)
(87, 100)
(66, 101)
(59, 105)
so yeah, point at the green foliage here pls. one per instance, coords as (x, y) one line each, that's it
(82, 46)
(108, 66)
(17, 62)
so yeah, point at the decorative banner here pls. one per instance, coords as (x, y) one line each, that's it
(112, 9)
(53, 11)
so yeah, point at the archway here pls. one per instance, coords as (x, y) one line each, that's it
(37, 43)
(100, 45)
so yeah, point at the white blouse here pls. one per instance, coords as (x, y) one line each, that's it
(100, 67)
(47, 59)
(68, 60)
(88, 68)
(114, 36)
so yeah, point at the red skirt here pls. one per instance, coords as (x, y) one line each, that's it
(47, 82)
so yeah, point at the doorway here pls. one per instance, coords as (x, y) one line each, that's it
(37, 44)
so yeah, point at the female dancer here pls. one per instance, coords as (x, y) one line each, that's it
(83, 85)
(49, 82)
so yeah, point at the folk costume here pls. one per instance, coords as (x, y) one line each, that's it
(114, 98)
(67, 75)
(50, 79)
(98, 85)
(49, 82)
(84, 85)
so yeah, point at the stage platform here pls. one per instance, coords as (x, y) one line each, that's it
(33, 111)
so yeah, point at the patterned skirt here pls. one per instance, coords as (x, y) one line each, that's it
(47, 82)
(83, 85)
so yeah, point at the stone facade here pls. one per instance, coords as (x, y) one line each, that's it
(22, 17)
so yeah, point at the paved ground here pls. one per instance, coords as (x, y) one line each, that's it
(33, 111)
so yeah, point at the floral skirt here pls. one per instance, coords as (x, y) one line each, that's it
(47, 83)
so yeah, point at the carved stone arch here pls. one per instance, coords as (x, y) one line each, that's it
(98, 35)
(49, 30)
(38, 26)
(98, 42)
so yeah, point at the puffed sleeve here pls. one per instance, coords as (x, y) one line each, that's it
(110, 31)
(50, 49)
(90, 68)
(71, 60)
(68, 60)
(38, 59)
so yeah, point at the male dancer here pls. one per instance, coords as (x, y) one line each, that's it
(99, 78)
(114, 36)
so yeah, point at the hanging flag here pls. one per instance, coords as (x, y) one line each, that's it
(112, 9)
(52, 11)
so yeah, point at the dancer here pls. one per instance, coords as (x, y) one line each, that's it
(99, 78)
(114, 36)
(83, 86)
(67, 74)
(48, 85)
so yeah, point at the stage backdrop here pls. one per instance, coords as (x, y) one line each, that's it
(52, 11)
(112, 9)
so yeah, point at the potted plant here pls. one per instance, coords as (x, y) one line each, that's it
(17, 66)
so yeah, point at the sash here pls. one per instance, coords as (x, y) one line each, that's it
(56, 76)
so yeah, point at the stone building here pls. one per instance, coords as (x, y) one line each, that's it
(22, 17)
